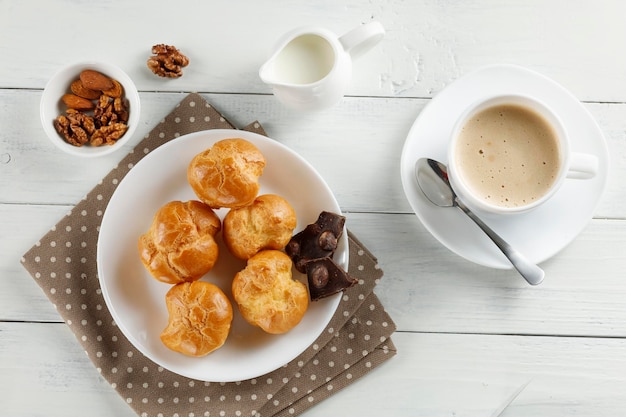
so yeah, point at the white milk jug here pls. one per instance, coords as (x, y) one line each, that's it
(311, 67)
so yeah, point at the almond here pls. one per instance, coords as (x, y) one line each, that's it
(77, 103)
(95, 80)
(116, 91)
(80, 90)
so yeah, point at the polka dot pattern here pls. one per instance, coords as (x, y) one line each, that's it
(63, 263)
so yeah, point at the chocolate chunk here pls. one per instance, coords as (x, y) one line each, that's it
(326, 278)
(312, 250)
(317, 240)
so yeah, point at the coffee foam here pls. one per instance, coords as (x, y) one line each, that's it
(508, 155)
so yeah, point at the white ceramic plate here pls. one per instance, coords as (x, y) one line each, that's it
(539, 234)
(137, 301)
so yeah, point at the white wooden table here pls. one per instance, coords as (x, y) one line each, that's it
(467, 335)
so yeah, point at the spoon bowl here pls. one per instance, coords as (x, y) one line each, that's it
(432, 178)
(430, 174)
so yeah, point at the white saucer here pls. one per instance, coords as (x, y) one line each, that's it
(539, 234)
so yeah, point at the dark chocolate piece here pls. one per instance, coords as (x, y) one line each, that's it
(326, 278)
(317, 240)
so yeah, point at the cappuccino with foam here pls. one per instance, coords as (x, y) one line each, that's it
(508, 155)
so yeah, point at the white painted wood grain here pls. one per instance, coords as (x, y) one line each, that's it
(45, 372)
(428, 43)
(21, 299)
(356, 146)
(426, 288)
(470, 375)
(468, 335)
(432, 375)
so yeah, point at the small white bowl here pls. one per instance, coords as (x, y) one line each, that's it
(51, 106)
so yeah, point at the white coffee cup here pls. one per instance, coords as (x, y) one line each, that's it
(511, 153)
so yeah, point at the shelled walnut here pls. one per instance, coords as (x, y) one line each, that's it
(75, 127)
(167, 61)
(110, 110)
(109, 134)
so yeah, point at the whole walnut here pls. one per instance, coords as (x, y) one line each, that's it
(167, 61)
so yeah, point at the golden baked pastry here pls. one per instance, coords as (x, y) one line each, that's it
(266, 294)
(227, 174)
(199, 321)
(267, 223)
(180, 244)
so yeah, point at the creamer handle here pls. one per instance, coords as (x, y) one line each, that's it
(362, 38)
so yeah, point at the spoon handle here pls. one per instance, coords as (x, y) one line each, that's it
(531, 272)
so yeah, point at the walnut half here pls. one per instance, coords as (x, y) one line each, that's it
(108, 135)
(167, 61)
(75, 127)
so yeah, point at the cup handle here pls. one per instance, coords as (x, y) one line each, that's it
(362, 38)
(583, 166)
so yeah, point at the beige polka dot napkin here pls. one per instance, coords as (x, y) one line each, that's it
(63, 263)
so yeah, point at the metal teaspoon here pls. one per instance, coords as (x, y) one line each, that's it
(432, 178)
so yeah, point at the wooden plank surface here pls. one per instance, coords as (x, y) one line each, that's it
(361, 163)
(467, 335)
(428, 43)
(432, 375)
(426, 288)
